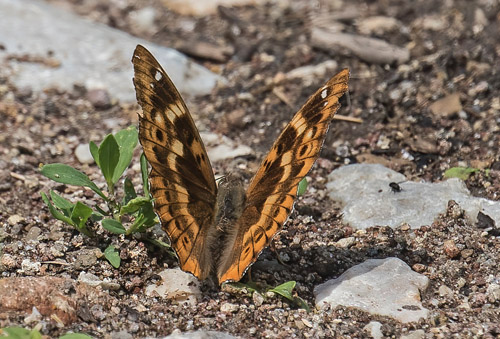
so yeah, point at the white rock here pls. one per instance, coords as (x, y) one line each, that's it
(374, 328)
(368, 200)
(220, 147)
(88, 53)
(82, 153)
(177, 285)
(386, 287)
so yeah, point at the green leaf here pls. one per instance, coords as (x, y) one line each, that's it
(460, 172)
(113, 226)
(134, 205)
(109, 154)
(80, 214)
(68, 175)
(302, 187)
(20, 333)
(129, 190)
(55, 213)
(127, 141)
(144, 172)
(75, 336)
(111, 253)
(146, 218)
(94, 150)
(285, 289)
(63, 204)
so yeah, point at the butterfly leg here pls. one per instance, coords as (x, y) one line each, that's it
(272, 247)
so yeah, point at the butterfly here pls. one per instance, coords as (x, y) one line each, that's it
(218, 231)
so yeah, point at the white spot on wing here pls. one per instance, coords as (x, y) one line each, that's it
(158, 76)
(324, 93)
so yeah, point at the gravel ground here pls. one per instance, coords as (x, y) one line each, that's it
(453, 54)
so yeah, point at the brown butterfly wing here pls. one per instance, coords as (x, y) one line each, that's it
(273, 190)
(181, 179)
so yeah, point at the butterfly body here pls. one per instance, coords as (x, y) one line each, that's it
(220, 230)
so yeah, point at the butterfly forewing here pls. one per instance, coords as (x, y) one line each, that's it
(273, 190)
(181, 179)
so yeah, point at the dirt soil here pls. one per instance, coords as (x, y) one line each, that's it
(451, 52)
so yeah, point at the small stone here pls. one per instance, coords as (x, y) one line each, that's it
(15, 219)
(447, 106)
(346, 242)
(229, 308)
(461, 282)
(493, 292)
(450, 249)
(258, 299)
(29, 267)
(99, 98)
(374, 328)
(467, 253)
(445, 291)
(33, 233)
(8, 261)
(419, 268)
(82, 153)
(176, 285)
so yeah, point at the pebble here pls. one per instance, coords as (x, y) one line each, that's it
(229, 308)
(33, 233)
(99, 98)
(450, 249)
(82, 153)
(346, 242)
(374, 328)
(445, 291)
(258, 299)
(176, 285)
(15, 219)
(447, 106)
(377, 25)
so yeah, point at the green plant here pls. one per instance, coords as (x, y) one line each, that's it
(113, 156)
(22, 333)
(285, 290)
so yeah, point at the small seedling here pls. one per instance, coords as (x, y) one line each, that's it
(285, 290)
(113, 156)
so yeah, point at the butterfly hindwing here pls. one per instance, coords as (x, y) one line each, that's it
(181, 179)
(273, 190)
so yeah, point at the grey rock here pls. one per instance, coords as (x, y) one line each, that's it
(368, 200)
(77, 51)
(386, 287)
